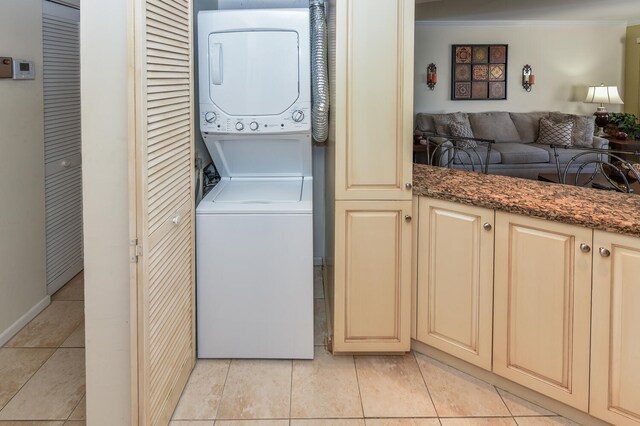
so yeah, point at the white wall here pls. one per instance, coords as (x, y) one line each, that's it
(566, 57)
(105, 101)
(22, 223)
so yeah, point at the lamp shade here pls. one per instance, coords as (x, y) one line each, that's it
(603, 95)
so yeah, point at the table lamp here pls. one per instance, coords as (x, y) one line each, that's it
(602, 95)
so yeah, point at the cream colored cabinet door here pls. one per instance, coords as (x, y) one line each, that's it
(455, 279)
(372, 276)
(615, 344)
(374, 99)
(542, 305)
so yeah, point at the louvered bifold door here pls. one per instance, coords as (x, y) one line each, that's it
(165, 205)
(63, 166)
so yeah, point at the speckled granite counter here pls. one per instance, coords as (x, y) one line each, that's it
(604, 210)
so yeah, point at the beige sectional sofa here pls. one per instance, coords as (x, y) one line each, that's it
(515, 151)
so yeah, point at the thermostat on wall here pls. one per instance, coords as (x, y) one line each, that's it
(23, 70)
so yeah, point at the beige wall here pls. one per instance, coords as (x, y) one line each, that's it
(566, 58)
(631, 94)
(22, 229)
(104, 53)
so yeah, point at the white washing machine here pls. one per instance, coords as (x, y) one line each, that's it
(254, 230)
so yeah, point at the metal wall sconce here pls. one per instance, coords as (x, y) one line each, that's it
(432, 76)
(528, 79)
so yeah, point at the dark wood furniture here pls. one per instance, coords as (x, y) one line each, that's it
(632, 145)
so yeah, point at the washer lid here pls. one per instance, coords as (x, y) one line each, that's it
(263, 191)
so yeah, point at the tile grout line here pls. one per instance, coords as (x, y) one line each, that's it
(30, 377)
(355, 367)
(424, 380)
(224, 386)
(504, 402)
(76, 406)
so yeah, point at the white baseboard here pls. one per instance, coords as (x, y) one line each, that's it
(13, 329)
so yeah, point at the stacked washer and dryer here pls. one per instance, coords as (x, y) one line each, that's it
(254, 231)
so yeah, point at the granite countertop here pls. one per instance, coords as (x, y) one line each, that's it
(604, 210)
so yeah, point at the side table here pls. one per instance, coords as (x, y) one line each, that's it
(631, 145)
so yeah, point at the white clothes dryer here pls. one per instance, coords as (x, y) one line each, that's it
(254, 230)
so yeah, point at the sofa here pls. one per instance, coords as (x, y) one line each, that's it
(522, 141)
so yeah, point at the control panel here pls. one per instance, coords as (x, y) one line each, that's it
(295, 119)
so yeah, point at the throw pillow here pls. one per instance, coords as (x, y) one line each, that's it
(555, 133)
(443, 122)
(462, 131)
(583, 127)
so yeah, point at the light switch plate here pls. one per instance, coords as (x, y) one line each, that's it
(6, 67)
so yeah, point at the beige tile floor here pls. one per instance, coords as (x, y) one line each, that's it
(42, 377)
(42, 384)
(410, 390)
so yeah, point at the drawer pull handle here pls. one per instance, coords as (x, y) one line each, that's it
(176, 220)
(487, 226)
(604, 252)
(407, 218)
(585, 248)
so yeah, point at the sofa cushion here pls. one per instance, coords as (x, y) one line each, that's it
(495, 126)
(479, 151)
(424, 123)
(552, 133)
(528, 124)
(583, 127)
(520, 153)
(566, 154)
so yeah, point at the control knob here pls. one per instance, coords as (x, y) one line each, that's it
(254, 126)
(297, 115)
(210, 117)
(239, 126)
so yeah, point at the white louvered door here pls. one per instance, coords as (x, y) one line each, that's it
(165, 199)
(63, 165)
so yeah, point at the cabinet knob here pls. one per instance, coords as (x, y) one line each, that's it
(407, 218)
(585, 248)
(176, 220)
(408, 185)
(604, 252)
(487, 226)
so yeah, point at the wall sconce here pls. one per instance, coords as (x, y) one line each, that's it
(432, 76)
(528, 79)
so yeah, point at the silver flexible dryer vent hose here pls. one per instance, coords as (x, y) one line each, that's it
(319, 74)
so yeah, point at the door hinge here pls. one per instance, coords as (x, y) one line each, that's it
(136, 250)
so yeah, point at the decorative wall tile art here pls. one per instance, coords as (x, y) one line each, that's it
(479, 72)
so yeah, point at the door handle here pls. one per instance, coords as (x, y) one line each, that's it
(216, 63)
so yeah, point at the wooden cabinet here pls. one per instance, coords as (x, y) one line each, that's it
(455, 279)
(372, 291)
(615, 338)
(374, 99)
(542, 306)
(369, 174)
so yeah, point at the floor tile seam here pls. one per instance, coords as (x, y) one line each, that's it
(291, 391)
(355, 368)
(424, 380)
(224, 387)
(76, 406)
(30, 377)
(502, 399)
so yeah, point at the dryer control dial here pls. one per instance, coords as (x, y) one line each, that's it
(297, 115)
(210, 117)
(254, 126)
(239, 126)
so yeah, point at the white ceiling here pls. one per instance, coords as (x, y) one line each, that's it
(563, 10)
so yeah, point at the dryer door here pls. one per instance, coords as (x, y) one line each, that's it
(254, 73)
